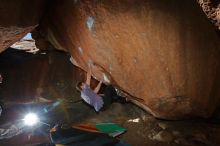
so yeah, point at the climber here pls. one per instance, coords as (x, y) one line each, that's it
(98, 101)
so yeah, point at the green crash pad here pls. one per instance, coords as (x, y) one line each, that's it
(109, 127)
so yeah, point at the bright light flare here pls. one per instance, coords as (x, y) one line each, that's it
(31, 119)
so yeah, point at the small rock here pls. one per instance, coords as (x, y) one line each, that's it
(200, 138)
(181, 141)
(176, 133)
(163, 136)
(147, 118)
(162, 125)
(150, 136)
(134, 120)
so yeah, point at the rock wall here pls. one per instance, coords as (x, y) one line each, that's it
(212, 10)
(164, 52)
(27, 76)
(17, 18)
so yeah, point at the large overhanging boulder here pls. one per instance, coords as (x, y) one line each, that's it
(164, 52)
(17, 18)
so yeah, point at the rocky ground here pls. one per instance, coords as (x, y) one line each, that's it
(22, 78)
(144, 130)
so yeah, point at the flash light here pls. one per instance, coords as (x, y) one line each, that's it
(31, 119)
